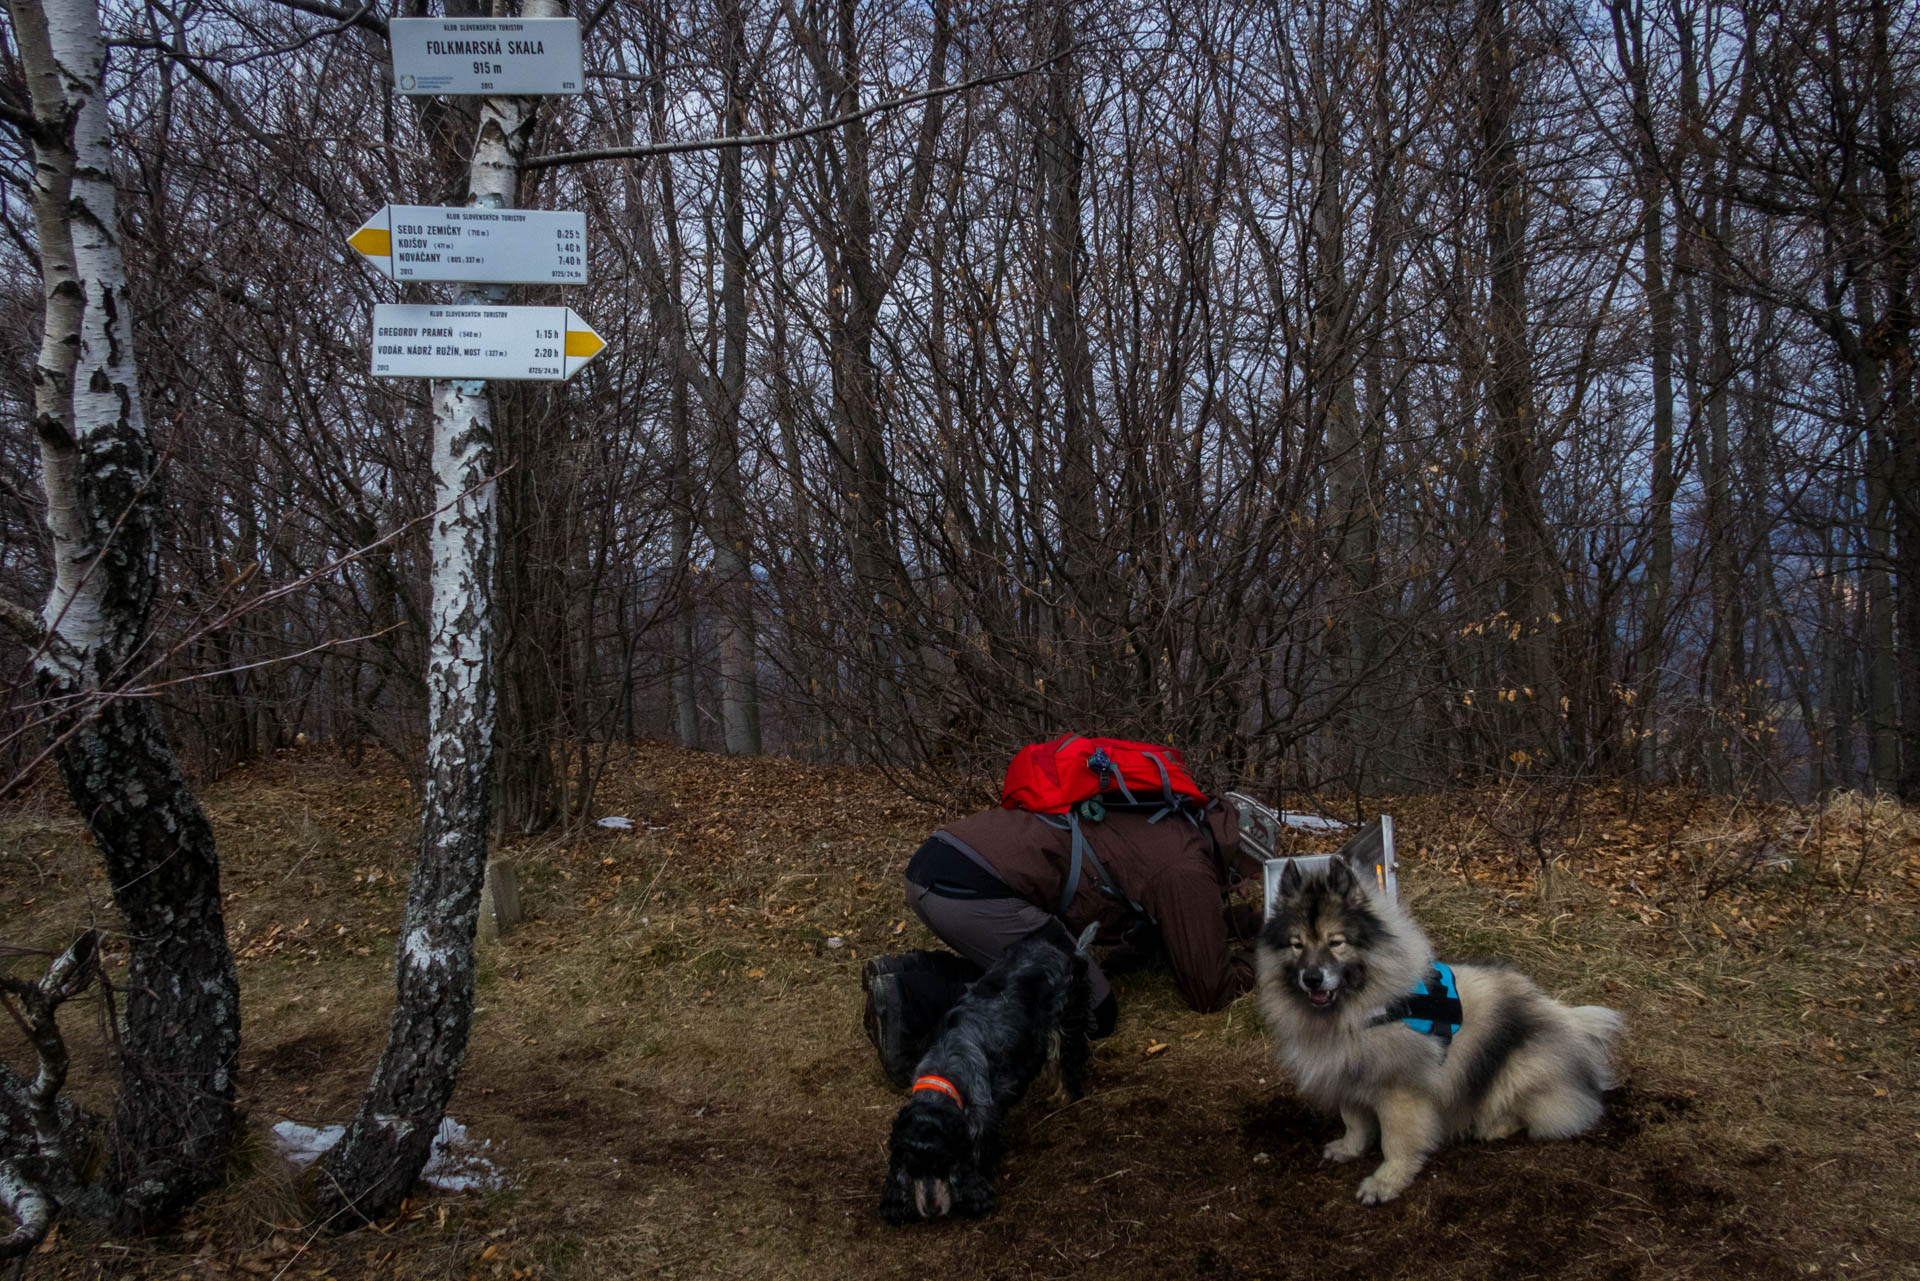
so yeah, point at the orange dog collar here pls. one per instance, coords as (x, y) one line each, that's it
(939, 1085)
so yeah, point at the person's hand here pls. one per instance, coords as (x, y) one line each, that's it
(1244, 919)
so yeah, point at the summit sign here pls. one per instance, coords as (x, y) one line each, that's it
(487, 55)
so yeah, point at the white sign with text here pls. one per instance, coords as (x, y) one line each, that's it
(476, 340)
(486, 55)
(476, 244)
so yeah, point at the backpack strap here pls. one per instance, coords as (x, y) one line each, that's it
(1103, 769)
(1082, 855)
(1172, 805)
(943, 835)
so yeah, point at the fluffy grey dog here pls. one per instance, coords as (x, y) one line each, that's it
(1029, 1008)
(1411, 1051)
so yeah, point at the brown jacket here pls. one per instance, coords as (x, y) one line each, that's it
(1168, 868)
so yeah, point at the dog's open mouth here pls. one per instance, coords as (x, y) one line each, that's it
(1324, 999)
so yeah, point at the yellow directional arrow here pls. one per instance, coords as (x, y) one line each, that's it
(582, 343)
(374, 242)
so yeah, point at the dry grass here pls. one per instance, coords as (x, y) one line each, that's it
(668, 1057)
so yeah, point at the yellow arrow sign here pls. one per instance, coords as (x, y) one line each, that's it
(476, 244)
(373, 241)
(582, 343)
(481, 341)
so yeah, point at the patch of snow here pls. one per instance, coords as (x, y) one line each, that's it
(303, 1144)
(617, 822)
(836, 941)
(1312, 822)
(454, 1165)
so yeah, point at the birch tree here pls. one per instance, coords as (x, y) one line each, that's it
(366, 1175)
(174, 1122)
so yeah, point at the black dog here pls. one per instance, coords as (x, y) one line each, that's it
(1031, 1006)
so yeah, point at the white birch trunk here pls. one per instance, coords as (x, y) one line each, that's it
(367, 1174)
(175, 1121)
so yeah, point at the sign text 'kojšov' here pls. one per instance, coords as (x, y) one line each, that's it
(476, 244)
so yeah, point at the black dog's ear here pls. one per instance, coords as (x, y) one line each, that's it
(1291, 880)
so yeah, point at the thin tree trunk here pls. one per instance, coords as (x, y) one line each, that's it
(365, 1176)
(1526, 562)
(1725, 686)
(1062, 339)
(1900, 260)
(1349, 440)
(859, 281)
(1883, 730)
(1630, 44)
(726, 501)
(668, 310)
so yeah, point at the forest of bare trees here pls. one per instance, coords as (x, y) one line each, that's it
(1359, 393)
(1369, 395)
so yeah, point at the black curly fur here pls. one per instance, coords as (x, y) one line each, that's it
(1031, 1006)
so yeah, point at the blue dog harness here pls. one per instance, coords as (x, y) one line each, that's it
(1432, 1008)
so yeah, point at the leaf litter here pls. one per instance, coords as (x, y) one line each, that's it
(670, 1046)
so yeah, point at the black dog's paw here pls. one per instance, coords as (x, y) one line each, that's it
(896, 1200)
(973, 1194)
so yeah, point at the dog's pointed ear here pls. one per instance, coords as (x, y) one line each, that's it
(1340, 878)
(1291, 880)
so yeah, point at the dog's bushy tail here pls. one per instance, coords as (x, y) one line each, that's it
(1599, 1027)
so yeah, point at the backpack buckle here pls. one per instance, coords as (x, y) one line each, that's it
(1092, 810)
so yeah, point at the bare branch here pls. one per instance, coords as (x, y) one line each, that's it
(31, 1208)
(787, 135)
(360, 17)
(24, 1197)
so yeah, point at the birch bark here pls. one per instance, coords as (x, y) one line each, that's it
(175, 1121)
(367, 1174)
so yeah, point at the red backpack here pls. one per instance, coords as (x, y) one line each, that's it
(1052, 778)
(1075, 778)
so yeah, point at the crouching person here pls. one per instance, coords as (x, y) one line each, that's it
(1151, 880)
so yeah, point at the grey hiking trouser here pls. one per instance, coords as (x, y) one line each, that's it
(982, 929)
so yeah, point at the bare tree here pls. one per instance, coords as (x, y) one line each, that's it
(174, 1121)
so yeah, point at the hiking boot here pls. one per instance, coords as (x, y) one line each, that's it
(892, 963)
(885, 1020)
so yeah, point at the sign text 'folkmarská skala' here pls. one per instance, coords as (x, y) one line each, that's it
(486, 55)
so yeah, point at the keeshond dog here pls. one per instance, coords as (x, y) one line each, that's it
(1410, 1051)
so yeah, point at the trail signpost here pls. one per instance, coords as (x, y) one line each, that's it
(461, 346)
(495, 56)
(476, 244)
(481, 341)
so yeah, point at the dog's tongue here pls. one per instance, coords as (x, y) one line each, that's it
(1322, 998)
